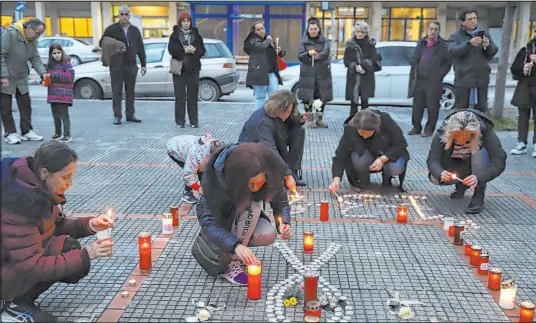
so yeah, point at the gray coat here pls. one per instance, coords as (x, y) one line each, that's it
(16, 52)
(318, 76)
(471, 63)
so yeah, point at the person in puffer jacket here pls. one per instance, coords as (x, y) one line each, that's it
(237, 178)
(39, 244)
(191, 154)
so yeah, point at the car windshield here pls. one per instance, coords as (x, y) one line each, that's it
(85, 42)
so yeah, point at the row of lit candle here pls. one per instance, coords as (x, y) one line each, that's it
(480, 259)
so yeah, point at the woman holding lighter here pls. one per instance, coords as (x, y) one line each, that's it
(466, 152)
(39, 243)
(263, 68)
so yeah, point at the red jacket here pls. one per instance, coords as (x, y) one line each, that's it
(33, 233)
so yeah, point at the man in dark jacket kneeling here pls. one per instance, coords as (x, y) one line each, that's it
(466, 152)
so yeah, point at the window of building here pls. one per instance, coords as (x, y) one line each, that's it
(7, 20)
(76, 27)
(146, 11)
(155, 19)
(345, 19)
(406, 24)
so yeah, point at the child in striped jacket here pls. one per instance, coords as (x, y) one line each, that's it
(60, 91)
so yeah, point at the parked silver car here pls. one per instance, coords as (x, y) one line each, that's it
(218, 74)
(79, 50)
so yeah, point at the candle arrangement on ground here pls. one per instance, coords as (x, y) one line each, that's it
(360, 205)
(330, 299)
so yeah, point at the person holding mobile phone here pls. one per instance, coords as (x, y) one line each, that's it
(471, 49)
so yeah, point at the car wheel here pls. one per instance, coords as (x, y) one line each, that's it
(87, 89)
(75, 60)
(448, 97)
(209, 91)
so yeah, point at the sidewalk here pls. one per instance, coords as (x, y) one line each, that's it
(126, 168)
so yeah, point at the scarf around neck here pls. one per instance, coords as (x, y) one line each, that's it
(187, 35)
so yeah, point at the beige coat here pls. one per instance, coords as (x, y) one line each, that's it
(16, 52)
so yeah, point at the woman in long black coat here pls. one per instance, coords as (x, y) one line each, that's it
(186, 46)
(315, 78)
(523, 69)
(362, 60)
(263, 68)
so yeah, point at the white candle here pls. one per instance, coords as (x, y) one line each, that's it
(447, 223)
(277, 42)
(507, 299)
(167, 223)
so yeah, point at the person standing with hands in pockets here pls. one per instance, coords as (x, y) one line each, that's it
(60, 91)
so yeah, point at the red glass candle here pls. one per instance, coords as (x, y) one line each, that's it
(324, 211)
(494, 279)
(458, 234)
(312, 308)
(526, 312)
(402, 213)
(308, 241)
(475, 254)
(468, 246)
(483, 263)
(310, 286)
(174, 210)
(144, 243)
(254, 281)
(452, 231)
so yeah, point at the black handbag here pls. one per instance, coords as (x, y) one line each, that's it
(209, 256)
(521, 96)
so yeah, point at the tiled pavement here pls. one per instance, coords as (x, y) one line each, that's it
(127, 168)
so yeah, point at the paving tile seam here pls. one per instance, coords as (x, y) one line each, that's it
(110, 164)
(512, 314)
(119, 303)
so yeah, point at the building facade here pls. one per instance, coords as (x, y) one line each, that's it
(231, 21)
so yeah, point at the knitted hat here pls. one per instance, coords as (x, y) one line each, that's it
(183, 16)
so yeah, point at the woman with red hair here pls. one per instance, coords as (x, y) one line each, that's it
(186, 48)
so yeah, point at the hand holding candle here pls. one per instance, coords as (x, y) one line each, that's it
(103, 222)
(100, 248)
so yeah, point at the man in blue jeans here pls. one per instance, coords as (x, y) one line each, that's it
(466, 152)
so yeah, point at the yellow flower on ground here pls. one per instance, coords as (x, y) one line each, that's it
(293, 301)
(286, 302)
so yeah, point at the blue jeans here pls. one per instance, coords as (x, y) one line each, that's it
(479, 161)
(262, 92)
(361, 166)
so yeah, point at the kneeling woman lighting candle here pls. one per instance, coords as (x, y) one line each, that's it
(308, 241)
(254, 281)
(144, 243)
(507, 300)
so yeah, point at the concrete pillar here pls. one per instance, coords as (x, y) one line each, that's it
(96, 17)
(522, 36)
(513, 42)
(375, 20)
(442, 18)
(55, 20)
(107, 14)
(40, 11)
(172, 8)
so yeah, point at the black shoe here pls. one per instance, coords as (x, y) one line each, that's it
(194, 126)
(25, 311)
(477, 202)
(189, 197)
(180, 125)
(117, 121)
(297, 178)
(459, 192)
(414, 131)
(133, 119)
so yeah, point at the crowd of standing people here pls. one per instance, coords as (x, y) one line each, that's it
(39, 244)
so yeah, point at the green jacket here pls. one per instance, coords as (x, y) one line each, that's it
(16, 51)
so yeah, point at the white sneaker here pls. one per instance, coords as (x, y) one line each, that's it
(520, 149)
(534, 151)
(32, 136)
(12, 139)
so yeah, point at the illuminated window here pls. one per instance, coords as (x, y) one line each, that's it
(6, 20)
(146, 11)
(406, 24)
(76, 27)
